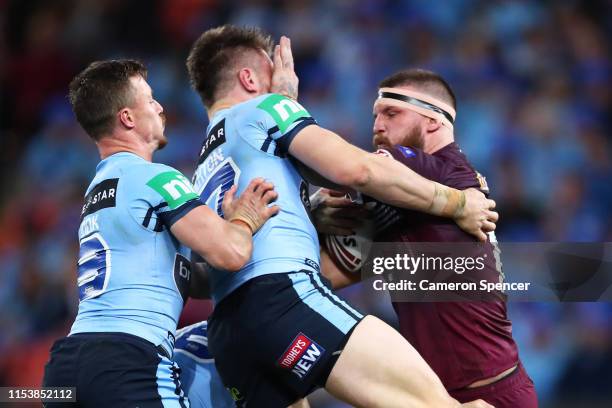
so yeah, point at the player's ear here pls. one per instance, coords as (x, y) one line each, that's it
(433, 125)
(248, 80)
(126, 118)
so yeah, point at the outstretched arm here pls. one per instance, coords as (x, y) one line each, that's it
(234, 244)
(391, 182)
(378, 176)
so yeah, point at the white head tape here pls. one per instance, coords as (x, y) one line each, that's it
(419, 102)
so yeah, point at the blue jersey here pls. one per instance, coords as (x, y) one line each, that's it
(249, 140)
(133, 274)
(199, 377)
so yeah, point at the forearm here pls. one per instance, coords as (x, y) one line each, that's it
(375, 175)
(238, 245)
(224, 245)
(395, 184)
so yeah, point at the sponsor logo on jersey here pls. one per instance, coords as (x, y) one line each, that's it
(283, 110)
(313, 264)
(406, 151)
(182, 275)
(214, 139)
(101, 196)
(175, 188)
(301, 355)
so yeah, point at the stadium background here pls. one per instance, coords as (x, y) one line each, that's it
(533, 82)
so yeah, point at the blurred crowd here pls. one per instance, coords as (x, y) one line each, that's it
(534, 86)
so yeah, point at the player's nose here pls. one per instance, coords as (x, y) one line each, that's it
(160, 108)
(378, 125)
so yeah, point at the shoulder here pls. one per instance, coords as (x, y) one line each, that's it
(412, 157)
(399, 152)
(144, 171)
(277, 110)
(427, 165)
(153, 175)
(461, 173)
(156, 179)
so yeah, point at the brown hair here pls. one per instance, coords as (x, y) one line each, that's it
(426, 81)
(213, 56)
(99, 91)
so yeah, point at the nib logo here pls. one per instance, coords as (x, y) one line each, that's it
(301, 355)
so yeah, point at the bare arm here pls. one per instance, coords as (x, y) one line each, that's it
(227, 244)
(389, 181)
(232, 245)
(341, 162)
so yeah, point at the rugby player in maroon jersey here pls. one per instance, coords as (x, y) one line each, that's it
(468, 344)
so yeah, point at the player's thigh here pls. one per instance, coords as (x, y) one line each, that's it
(296, 328)
(379, 368)
(125, 371)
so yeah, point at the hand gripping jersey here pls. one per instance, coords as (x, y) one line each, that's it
(133, 275)
(199, 377)
(249, 140)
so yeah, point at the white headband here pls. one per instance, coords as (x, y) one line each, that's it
(419, 102)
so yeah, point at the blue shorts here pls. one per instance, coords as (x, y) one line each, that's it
(114, 370)
(276, 338)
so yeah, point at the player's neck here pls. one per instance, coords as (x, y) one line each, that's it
(435, 142)
(231, 99)
(107, 146)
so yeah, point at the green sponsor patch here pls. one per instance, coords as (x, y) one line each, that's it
(174, 187)
(283, 110)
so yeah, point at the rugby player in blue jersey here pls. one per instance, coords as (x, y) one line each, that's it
(199, 376)
(278, 332)
(133, 267)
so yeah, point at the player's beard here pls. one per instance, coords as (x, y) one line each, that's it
(414, 138)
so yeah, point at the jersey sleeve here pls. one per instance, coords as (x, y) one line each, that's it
(283, 119)
(160, 196)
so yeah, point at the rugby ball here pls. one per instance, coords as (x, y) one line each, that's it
(348, 252)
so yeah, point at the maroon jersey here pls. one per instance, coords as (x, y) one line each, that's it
(462, 341)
